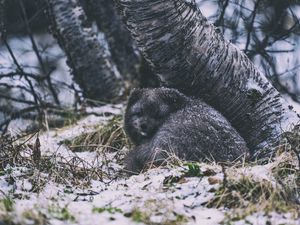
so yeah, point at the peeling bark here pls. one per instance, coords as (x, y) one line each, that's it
(189, 54)
(92, 67)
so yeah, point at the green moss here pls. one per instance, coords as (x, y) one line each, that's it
(140, 217)
(152, 208)
(111, 210)
(144, 217)
(193, 170)
(60, 213)
(7, 210)
(7, 204)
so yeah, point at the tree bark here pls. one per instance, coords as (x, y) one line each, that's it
(123, 51)
(189, 54)
(2, 18)
(92, 67)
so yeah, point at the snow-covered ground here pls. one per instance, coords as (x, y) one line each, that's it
(168, 195)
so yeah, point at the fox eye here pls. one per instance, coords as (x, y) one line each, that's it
(138, 114)
(136, 110)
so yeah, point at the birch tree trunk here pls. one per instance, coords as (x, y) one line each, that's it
(92, 66)
(121, 46)
(189, 54)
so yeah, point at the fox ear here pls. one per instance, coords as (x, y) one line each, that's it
(174, 98)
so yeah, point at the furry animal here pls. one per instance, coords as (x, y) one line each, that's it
(147, 109)
(163, 121)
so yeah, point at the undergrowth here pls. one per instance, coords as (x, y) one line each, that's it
(244, 195)
(151, 208)
(107, 137)
(239, 194)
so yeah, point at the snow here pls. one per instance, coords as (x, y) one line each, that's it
(292, 114)
(261, 219)
(208, 216)
(252, 84)
(166, 37)
(146, 192)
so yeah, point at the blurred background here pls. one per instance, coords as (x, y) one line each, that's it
(58, 58)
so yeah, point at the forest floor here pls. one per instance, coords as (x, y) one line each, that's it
(73, 175)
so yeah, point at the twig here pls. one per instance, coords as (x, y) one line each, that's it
(35, 48)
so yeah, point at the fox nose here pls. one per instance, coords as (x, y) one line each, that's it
(136, 124)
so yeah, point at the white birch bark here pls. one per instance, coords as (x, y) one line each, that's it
(189, 54)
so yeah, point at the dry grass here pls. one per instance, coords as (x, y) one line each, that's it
(108, 137)
(244, 194)
(72, 171)
(239, 193)
(108, 140)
